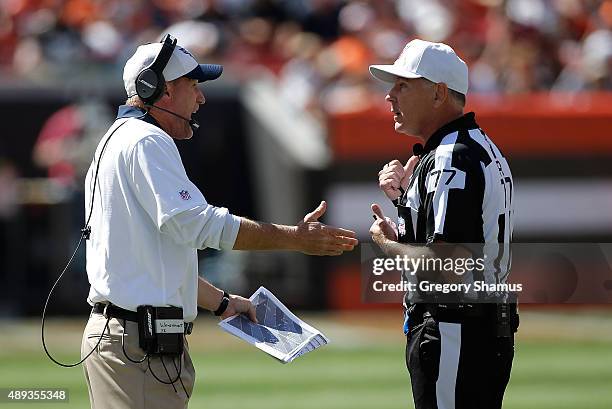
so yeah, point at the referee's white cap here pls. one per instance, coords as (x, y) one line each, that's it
(436, 62)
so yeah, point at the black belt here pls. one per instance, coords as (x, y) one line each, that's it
(458, 312)
(112, 311)
(485, 315)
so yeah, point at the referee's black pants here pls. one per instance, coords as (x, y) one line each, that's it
(458, 365)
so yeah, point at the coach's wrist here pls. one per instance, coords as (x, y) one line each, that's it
(222, 304)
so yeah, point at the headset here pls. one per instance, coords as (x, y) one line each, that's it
(150, 82)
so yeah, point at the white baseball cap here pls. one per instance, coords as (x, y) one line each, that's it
(436, 62)
(181, 64)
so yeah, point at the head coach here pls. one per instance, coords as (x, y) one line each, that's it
(454, 191)
(145, 222)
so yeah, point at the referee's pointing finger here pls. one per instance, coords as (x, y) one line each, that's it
(377, 210)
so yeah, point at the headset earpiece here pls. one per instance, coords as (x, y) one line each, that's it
(147, 85)
(150, 82)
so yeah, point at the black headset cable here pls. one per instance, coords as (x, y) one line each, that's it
(85, 234)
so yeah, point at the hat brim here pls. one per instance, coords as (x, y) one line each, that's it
(205, 72)
(389, 73)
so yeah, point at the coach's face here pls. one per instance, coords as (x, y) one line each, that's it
(185, 98)
(412, 101)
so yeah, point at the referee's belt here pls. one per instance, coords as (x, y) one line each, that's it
(112, 311)
(461, 312)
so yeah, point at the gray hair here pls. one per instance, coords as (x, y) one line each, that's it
(457, 96)
(135, 101)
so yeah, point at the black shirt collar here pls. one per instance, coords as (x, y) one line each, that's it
(130, 111)
(467, 121)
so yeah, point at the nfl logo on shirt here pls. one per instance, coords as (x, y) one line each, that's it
(185, 195)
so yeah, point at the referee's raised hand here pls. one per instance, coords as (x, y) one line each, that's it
(383, 227)
(394, 177)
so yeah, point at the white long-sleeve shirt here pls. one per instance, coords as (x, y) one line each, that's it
(148, 221)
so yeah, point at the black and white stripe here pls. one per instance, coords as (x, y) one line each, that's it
(450, 351)
(461, 191)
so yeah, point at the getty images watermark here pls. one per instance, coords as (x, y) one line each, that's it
(530, 272)
(434, 267)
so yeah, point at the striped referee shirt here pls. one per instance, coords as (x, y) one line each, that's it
(461, 191)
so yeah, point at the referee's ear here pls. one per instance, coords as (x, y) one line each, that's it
(440, 94)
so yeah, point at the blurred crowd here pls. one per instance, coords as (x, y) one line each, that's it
(318, 50)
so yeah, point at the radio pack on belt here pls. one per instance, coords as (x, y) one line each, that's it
(161, 329)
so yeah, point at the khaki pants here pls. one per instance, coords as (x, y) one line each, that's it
(115, 382)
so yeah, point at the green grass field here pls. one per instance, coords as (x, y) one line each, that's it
(562, 361)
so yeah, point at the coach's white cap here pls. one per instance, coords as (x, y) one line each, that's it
(436, 62)
(181, 64)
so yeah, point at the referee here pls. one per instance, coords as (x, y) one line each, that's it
(454, 199)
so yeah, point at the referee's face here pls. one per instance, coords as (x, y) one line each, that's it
(412, 104)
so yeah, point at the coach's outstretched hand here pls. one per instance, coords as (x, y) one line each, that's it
(317, 239)
(309, 236)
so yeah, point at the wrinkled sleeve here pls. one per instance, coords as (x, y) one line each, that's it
(173, 202)
(203, 227)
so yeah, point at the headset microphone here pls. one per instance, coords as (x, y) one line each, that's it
(192, 122)
(417, 149)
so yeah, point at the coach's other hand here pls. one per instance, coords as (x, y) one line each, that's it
(317, 239)
(240, 305)
(383, 228)
(394, 176)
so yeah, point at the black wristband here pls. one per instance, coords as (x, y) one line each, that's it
(224, 303)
